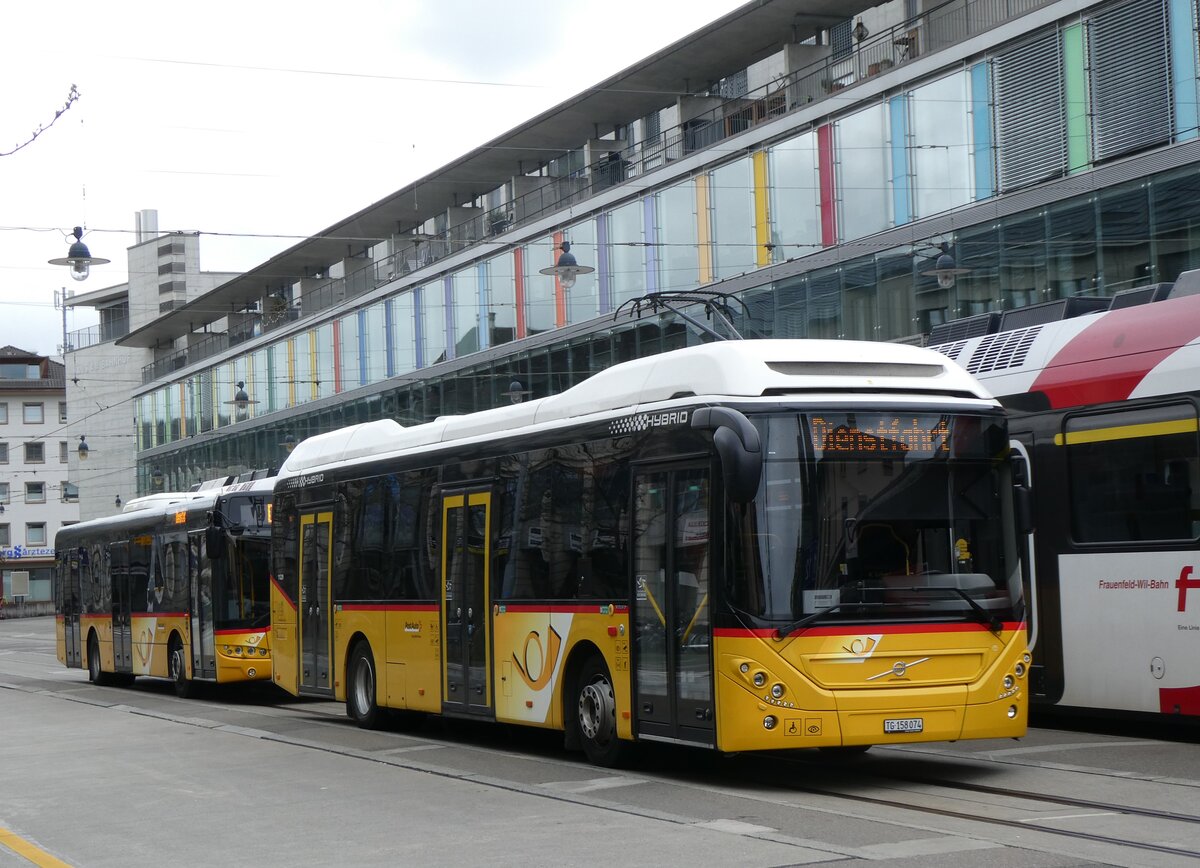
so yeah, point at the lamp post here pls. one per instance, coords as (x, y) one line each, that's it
(83, 449)
(79, 259)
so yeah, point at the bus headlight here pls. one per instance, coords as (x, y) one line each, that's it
(1009, 681)
(769, 721)
(777, 690)
(1012, 712)
(760, 678)
(1020, 670)
(251, 672)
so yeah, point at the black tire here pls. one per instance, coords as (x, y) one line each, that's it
(95, 673)
(177, 668)
(596, 715)
(361, 687)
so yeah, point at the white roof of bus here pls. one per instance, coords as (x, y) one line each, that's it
(720, 370)
(152, 505)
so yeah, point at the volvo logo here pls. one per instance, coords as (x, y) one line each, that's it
(898, 669)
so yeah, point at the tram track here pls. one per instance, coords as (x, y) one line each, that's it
(1023, 798)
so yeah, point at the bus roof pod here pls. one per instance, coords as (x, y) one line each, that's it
(718, 370)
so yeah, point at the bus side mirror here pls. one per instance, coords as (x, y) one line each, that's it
(739, 447)
(214, 541)
(1023, 507)
(1022, 496)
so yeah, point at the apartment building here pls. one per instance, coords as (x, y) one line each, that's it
(36, 496)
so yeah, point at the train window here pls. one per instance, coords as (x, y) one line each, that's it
(1134, 476)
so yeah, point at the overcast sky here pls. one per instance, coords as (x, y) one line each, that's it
(258, 123)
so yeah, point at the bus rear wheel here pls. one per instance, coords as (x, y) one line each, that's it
(95, 673)
(177, 668)
(360, 689)
(596, 715)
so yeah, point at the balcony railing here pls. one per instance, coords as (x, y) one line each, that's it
(81, 339)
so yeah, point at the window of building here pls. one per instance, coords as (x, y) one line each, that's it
(62, 412)
(35, 492)
(35, 533)
(33, 414)
(3, 413)
(70, 492)
(5, 535)
(63, 451)
(4, 492)
(3, 453)
(35, 452)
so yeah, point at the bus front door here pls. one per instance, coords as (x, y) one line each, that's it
(316, 602)
(673, 684)
(204, 647)
(71, 597)
(122, 605)
(466, 633)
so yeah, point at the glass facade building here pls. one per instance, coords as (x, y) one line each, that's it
(1054, 158)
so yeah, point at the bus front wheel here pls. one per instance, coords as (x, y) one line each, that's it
(596, 715)
(361, 687)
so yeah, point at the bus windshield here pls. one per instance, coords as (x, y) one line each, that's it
(880, 516)
(241, 585)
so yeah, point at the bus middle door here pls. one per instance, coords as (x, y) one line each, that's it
(466, 637)
(673, 688)
(316, 601)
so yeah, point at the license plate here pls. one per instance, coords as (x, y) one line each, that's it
(904, 724)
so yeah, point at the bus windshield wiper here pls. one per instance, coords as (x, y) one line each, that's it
(789, 629)
(994, 624)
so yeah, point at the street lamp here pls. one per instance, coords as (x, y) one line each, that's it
(78, 258)
(83, 448)
(567, 268)
(516, 392)
(241, 400)
(945, 269)
(117, 502)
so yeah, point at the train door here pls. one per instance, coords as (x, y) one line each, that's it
(673, 685)
(316, 602)
(204, 647)
(466, 634)
(122, 605)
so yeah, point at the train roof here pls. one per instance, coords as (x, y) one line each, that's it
(716, 371)
(1149, 349)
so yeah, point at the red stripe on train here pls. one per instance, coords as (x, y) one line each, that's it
(1109, 358)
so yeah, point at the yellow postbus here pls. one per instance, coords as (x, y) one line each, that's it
(743, 545)
(175, 586)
